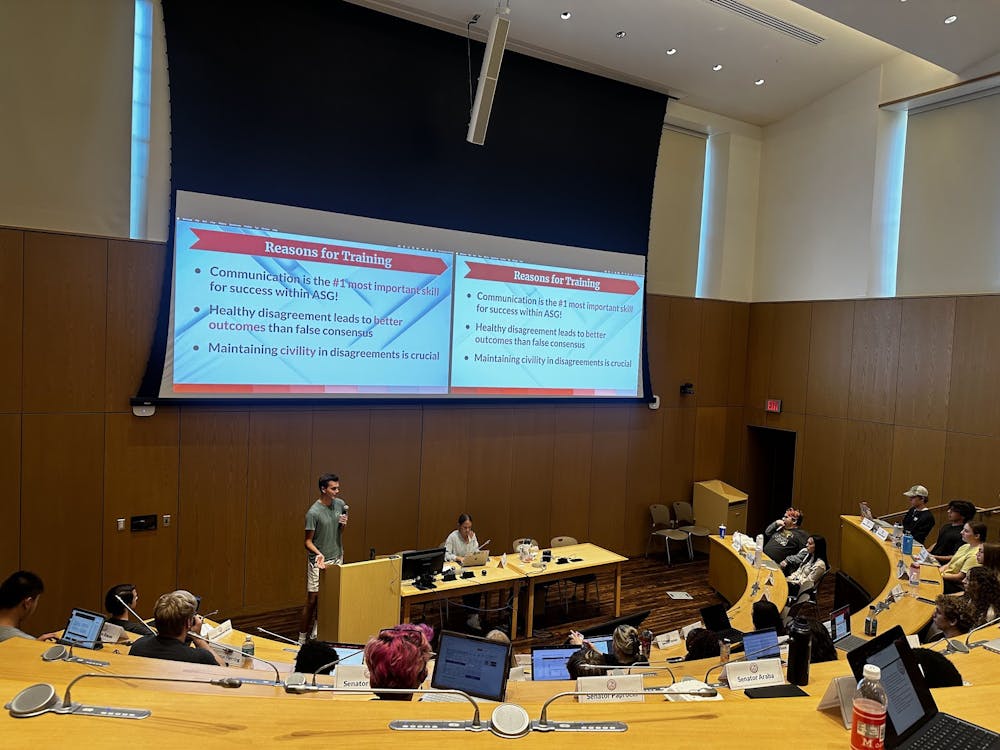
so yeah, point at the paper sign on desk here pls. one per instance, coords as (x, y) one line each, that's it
(353, 676)
(666, 640)
(867, 523)
(897, 593)
(770, 580)
(757, 673)
(214, 634)
(840, 694)
(881, 533)
(611, 689)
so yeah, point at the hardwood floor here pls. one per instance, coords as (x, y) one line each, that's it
(645, 583)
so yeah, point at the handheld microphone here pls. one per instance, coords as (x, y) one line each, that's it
(135, 615)
(234, 649)
(59, 652)
(346, 508)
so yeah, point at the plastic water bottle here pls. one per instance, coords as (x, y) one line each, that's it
(868, 722)
(799, 652)
(725, 650)
(759, 551)
(871, 622)
(247, 649)
(914, 573)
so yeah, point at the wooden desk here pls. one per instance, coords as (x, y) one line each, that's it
(496, 578)
(594, 560)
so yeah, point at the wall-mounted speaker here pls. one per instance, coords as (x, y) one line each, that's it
(488, 76)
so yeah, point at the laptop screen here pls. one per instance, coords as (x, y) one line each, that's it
(350, 654)
(476, 666)
(549, 662)
(715, 617)
(84, 628)
(761, 644)
(602, 643)
(840, 623)
(905, 708)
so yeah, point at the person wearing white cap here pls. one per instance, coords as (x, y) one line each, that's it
(918, 521)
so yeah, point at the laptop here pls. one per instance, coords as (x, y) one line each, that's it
(476, 559)
(914, 722)
(866, 512)
(840, 630)
(474, 665)
(716, 619)
(761, 644)
(602, 643)
(549, 662)
(83, 629)
(350, 654)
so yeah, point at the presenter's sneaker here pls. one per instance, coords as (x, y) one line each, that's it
(474, 623)
(302, 639)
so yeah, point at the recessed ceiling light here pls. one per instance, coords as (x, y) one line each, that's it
(671, 51)
(951, 19)
(716, 68)
(565, 15)
(759, 82)
(621, 34)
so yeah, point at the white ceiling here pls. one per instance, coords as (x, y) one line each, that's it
(706, 33)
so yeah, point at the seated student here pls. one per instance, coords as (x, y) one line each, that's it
(18, 601)
(938, 670)
(625, 646)
(964, 558)
(785, 536)
(918, 520)
(587, 662)
(988, 554)
(952, 617)
(822, 648)
(316, 657)
(949, 539)
(397, 658)
(118, 614)
(701, 644)
(766, 615)
(811, 569)
(982, 590)
(176, 616)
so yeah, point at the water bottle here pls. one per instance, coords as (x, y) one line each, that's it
(248, 650)
(907, 543)
(645, 643)
(871, 622)
(897, 533)
(799, 652)
(914, 573)
(725, 650)
(759, 551)
(868, 722)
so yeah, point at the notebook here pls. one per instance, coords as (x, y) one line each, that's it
(474, 665)
(549, 662)
(914, 722)
(716, 619)
(840, 630)
(83, 629)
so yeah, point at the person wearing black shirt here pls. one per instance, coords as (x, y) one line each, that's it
(118, 614)
(785, 536)
(949, 538)
(918, 521)
(176, 615)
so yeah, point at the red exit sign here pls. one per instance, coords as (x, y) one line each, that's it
(773, 405)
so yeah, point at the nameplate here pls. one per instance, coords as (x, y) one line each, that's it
(516, 674)
(867, 523)
(897, 593)
(111, 633)
(666, 640)
(355, 677)
(214, 634)
(611, 689)
(745, 674)
(230, 656)
(882, 533)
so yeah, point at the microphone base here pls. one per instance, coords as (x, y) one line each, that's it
(109, 712)
(422, 725)
(579, 726)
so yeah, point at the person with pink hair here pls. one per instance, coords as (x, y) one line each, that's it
(397, 658)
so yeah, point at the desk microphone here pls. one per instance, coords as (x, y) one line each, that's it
(544, 725)
(968, 645)
(135, 615)
(42, 698)
(745, 657)
(279, 637)
(235, 650)
(61, 653)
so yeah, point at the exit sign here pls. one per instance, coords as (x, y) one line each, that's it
(773, 405)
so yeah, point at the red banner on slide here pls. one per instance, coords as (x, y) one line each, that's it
(577, 282)
(315, 252)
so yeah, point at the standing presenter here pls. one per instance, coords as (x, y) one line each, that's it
(325, 522)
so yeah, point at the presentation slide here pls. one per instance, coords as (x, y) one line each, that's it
(282, 302)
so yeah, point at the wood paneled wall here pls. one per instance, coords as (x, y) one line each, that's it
(882, 394)
(76, 321)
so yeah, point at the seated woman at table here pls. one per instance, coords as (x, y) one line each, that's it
(587, 662)
(988, 554)
(701, 644)
(952, 617)
(397, 658)
(765, 615)
(982, 590)
(316, 657)
(813, 566)
(625, 646)
(459, 544)
(964, 559)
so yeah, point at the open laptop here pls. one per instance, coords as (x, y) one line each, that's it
(840, 630)
(549, 662)
(476, 559)
(602, 643)
(716, 619)
(914, 722)
(83, 629)
(474, 665)
(760, 644)
(866, 512)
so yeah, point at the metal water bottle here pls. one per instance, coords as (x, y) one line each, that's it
(799, 652)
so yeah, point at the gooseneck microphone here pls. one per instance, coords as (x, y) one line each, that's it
(135, 615)
(277, 636)
(544, 725)
(657, 667)
(968, 645)
(225, 682)
(236, 650)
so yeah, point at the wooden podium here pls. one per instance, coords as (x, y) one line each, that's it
(358, 599)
